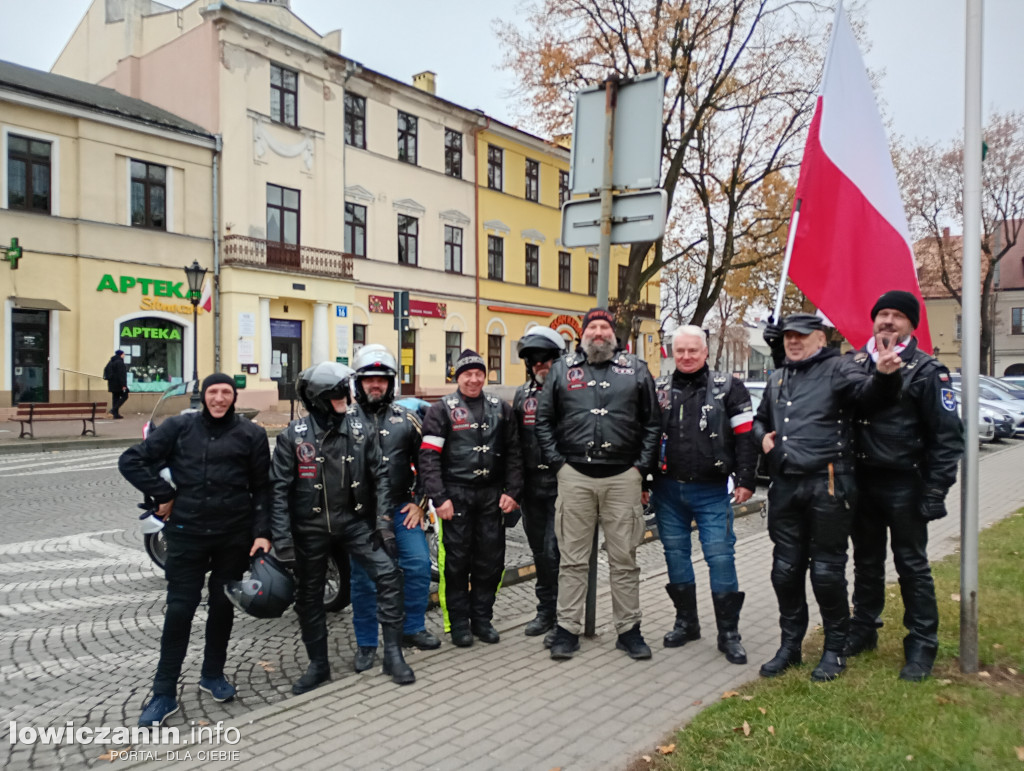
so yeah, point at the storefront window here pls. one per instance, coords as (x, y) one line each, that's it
(153, 353)
(452, 349)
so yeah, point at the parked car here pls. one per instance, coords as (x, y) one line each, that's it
(1014, 381)
(1008, 420)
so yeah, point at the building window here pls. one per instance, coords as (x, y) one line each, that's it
(453, 153)
(28, 174)
(592, 276)
(408, 125)
(563, 187)
(153, 353)
(494, 358)
(495, 258)
(358, 337)
(284, 95)
(408, 236)
(452, 349)
(623, 269)
(532, 180)
(452, 249)
(149, 195)
(1016, 328)
(282, 226)
(494, 160)
(532, 265)
(564, 271)
(355, 120)
(355, 229)
(959, 323)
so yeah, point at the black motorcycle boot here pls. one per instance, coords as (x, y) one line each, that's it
(687, 626)
(833, 660)
(861, 638)
(727, 616)
(793, 622)
(461, 634)
(832, 664)
(394, 661)
(365, 658)
(319, 671)
(543, 622)
(482, 628)
(919, 660)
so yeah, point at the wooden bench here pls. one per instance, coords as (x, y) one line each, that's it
(31, 412)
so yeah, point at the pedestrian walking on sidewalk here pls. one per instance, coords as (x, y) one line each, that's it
(804, 426)
(116, 375)
(217, 515)
(538, 348)
(706, 421)
(907, 458)
(473, 472)
(398, 434)
(331, 490)
(598, 427)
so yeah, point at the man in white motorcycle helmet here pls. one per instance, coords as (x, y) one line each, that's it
(397, 433)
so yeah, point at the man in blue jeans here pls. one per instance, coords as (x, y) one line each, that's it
(706, 419)
(398, 432)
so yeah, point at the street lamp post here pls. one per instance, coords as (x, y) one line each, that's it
(195, 274)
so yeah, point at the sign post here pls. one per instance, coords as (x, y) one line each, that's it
(401, 325)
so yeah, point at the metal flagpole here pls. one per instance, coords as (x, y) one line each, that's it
(785, 261)
(971, 311)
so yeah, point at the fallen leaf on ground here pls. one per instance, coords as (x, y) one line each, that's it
(698, 702)
(998, 646)
(747, 698)
(984, 674)
(771, 730)
(1011, 670)
(646, 757)
(955, 597)
(666, 749)
(202, 722)
(746, 728)
(945, 682)
(109, 754)
(1020, 753)
(730, 694)
(941, 700)
(763, 710)
(910, 757)
(267, 667)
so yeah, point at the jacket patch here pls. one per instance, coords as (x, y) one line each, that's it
(623, 370)
(460, 419)
(575, 377)
(664, 399)
(949, 399)
(530, 411)
(305, 452)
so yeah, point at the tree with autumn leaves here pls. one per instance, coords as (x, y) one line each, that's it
(740, 87)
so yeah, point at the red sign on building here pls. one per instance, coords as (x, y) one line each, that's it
(386, 304)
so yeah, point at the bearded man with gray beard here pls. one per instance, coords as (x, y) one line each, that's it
(598, 425)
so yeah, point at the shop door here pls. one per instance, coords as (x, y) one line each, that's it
(30, 356)
(408, 364)
(285, 355)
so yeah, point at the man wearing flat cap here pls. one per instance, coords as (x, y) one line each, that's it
(804, 427)
(598, 424)
(907, 457)
(472, 471)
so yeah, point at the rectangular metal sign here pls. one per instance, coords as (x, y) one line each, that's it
(636, 217)
(637, 141)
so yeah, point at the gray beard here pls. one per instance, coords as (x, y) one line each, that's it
(598, 352)
(540, 378)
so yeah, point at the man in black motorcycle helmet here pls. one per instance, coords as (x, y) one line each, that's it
(398, 433)
(538, 348)
(216, 515)
(330, 484)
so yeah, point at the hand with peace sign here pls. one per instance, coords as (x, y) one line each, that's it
(888, 360)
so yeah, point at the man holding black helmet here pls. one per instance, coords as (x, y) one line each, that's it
(398, 433)
(907, 457)
(330, 484)
(804, 427)
(216, 515)
(538, 348)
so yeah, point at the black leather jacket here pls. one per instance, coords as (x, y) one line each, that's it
(599, 413)
(220, 470)
(538, 477)
(320, 474)
(398, 433)
(810, 404)
(923, 432)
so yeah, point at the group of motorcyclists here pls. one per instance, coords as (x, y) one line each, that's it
(578, 446)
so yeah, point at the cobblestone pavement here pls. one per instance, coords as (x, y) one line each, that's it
(82, 605)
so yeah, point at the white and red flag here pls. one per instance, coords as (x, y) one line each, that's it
(851, 241)
(206, 300)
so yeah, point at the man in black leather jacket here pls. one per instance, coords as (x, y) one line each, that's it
(217, 514)
(598, 425)
(538, 348)
(331, 487)
(472, 470)
(907, 458)
(803, 425)
(398, 432)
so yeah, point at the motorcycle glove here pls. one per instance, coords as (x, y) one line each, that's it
(383, 537)
(773, 336)
(933, 506)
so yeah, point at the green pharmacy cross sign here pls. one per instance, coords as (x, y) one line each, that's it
(12, 253)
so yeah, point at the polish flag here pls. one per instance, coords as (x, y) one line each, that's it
(206, 300)
(852, 242)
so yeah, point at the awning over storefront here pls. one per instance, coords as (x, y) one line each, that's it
(36, 304)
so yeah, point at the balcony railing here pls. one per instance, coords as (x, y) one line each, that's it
(243, 250)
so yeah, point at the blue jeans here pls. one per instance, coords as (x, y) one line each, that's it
(414, 560)
(676, 506)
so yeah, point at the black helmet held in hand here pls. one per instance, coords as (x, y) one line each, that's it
(267, 592)
(539, 344)
(318, 385)
(374, 361)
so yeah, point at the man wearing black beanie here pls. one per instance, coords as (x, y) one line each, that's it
(907, 458)
(217, 515)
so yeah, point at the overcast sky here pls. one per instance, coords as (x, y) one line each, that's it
(918, 43)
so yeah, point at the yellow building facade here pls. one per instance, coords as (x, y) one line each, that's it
(109, 199)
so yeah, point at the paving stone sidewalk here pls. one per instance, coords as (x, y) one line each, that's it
(509, 706)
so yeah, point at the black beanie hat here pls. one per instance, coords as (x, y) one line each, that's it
(218, 377)
(901, 301)
(595, 314)
(469, 359)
